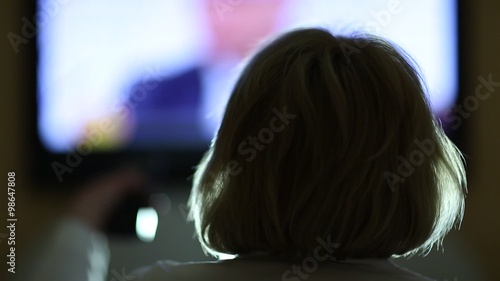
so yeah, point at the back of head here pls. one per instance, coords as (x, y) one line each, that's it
(328, 137)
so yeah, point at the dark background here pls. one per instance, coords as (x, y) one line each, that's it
(471, 253)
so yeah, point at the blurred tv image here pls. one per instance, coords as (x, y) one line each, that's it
(150, 74)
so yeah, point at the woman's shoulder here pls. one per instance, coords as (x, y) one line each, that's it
(168, 270)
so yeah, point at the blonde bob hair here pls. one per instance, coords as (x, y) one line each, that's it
(328, 137)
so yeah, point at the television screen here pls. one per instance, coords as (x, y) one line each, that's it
(142, 75)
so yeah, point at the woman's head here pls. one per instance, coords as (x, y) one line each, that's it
(328, 137)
